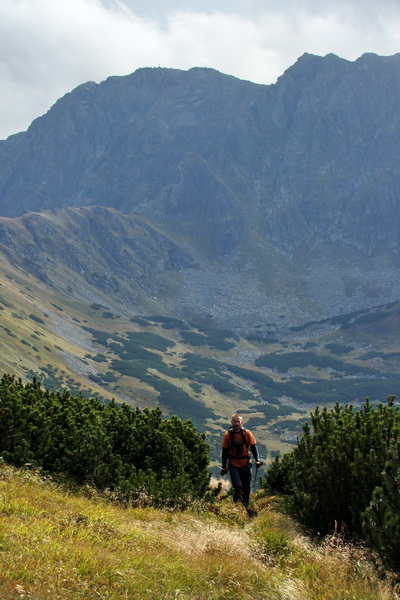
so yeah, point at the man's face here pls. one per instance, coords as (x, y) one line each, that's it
(236, 423)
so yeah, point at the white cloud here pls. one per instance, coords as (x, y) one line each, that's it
(47, 47)
(226, 42)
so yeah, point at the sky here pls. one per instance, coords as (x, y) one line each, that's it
(49, 47)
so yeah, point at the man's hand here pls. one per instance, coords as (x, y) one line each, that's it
(259, 463)
(224, 471)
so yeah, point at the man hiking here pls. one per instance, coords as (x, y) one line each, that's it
(236, 446)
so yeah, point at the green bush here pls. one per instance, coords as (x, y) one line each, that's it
(99, 358)
(179, 401)
(139, 321)
(131, 368)
(149, 340)
(215, 338)
(109, 376)
(196, 363)
(339, 348)
(36, 319)
(344, 475)
(290, 360)
(58, 307)
(194, 339)
(382, 517)
(101, 337)
(108, 446)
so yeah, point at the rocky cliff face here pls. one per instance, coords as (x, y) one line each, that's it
(284, 197)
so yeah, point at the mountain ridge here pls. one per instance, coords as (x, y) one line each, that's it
(291, 188)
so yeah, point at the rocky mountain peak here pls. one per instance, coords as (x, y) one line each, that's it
(288, 190)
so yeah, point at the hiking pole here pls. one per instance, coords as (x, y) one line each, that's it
(258, 465)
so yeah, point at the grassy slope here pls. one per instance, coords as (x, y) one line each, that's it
(55, 544)
(44, 331)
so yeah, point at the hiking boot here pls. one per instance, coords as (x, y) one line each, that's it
(237, 496)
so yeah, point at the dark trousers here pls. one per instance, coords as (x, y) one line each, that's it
(241, 482)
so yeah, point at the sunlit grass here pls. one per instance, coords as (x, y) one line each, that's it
(332, 570)
(64, 546)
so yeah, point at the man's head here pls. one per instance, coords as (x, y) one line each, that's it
(236, 422)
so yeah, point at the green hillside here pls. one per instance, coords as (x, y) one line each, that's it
(190, 369)
(75, 546)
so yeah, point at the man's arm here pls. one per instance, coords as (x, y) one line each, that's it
(224, 458)
(254, 451)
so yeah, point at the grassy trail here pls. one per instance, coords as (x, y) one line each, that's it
(56, 545)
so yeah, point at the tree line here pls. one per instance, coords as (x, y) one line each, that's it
(343, 475)
(136, 453)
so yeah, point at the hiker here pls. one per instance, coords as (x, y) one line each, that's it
(236, 446)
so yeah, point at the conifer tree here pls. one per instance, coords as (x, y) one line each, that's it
(109, 446)
(382, 517)
(331, 475)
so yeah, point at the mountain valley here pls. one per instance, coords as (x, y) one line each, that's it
(205, 244)
(199, 372)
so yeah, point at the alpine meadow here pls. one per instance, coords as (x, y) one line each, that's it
(177, 247)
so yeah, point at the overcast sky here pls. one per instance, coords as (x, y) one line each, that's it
(48, 47)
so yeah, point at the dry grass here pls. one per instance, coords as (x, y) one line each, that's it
(333, 570)
(60, 546)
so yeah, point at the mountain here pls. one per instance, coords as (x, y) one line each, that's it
(204, 244)
(119, 255)
(245, 205)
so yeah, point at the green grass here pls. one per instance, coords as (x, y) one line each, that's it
(80, 546)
